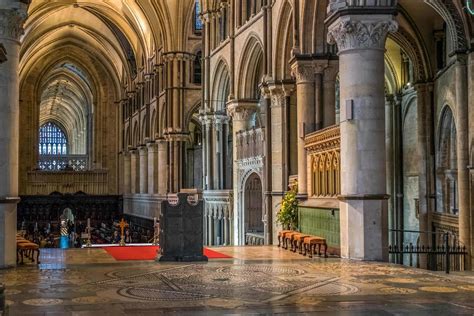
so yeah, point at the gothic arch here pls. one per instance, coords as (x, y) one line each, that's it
(447, 10)
(251, 69)
(221, 86)
(284, 42)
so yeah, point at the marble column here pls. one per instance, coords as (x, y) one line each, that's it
(134, 172)
(152, 148)
(462, 140)
(126, 172)
(143, 153)
(363, 206)
(240, 112)
(162, 166)
(12, 16)
(305, 96)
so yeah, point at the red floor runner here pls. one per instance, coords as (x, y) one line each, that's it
(149, 253)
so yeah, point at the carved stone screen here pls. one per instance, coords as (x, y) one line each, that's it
(181, 229)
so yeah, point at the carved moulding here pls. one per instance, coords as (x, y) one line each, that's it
(360, 34)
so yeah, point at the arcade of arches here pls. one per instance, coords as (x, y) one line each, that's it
(367, 104)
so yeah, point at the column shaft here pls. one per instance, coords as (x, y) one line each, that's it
(126, 173)
(143, 170)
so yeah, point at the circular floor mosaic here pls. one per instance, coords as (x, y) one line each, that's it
(149, 294)
(43, 301)
(397, 290)
(438, 289)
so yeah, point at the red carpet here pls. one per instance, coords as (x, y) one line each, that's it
(149, 253)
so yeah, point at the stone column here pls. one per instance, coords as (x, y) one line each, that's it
(240, 113)
(126, 172)
(363, 207)
(462, 140)
(305, 96)
(134, 171)
(12, 17)
(470, 80)
(423, 106)
(152, 148)
(162, 167)
(143, 152)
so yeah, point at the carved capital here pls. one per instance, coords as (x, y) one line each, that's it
(241, 111)
(358, 34)
(11, 23)
(303, 72)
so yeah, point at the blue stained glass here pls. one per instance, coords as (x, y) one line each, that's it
(52, 140)
(197, 18)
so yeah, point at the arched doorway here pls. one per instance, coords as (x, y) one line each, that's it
(253, 216)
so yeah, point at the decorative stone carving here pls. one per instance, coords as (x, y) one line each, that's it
(11, 23)
(241, 111)
(304, 73)
(349, 34)
(3, 54)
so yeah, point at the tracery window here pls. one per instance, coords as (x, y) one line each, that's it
(197, 18)
(52, 140)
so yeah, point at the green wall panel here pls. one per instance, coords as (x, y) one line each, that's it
(320, 222)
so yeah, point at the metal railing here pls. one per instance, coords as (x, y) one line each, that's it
(448, 256)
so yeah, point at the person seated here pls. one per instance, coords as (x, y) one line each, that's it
(128, 237)
(115, 237)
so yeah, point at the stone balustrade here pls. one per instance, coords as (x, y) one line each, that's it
(218, 217)
(250, 143)
(323, 161)
(335, 5)
(62, 162)
(45, 182)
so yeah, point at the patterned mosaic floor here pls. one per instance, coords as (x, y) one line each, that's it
(90, 283)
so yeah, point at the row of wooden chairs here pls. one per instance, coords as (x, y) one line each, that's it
(304, 243)
(26, 248)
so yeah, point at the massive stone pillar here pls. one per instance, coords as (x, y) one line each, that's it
(134, 172)
(363, 207)
(143, 153)
(423, 106)
(162, 167)
(279, 149)
(462, 140)
(152, 167)
(470, 80)
(126, 172)
(305, 92)
(12, 17)
(240, 113)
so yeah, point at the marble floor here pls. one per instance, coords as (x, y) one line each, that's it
(257, 281)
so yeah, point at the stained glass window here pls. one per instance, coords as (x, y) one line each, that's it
(197, 18)
(52, 140)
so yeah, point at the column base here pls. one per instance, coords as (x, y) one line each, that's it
(8, 232)
(364, 227)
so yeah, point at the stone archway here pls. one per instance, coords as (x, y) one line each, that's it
(253, 211)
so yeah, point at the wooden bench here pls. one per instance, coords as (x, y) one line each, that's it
(26, 248)
(298, 242)
(310, 243)
(281, 235)
(288, 239)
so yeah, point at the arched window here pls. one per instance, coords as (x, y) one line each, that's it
(197, 18)
(52, 140)
(197, 71)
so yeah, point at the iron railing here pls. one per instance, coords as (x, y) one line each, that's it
(449, 256)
